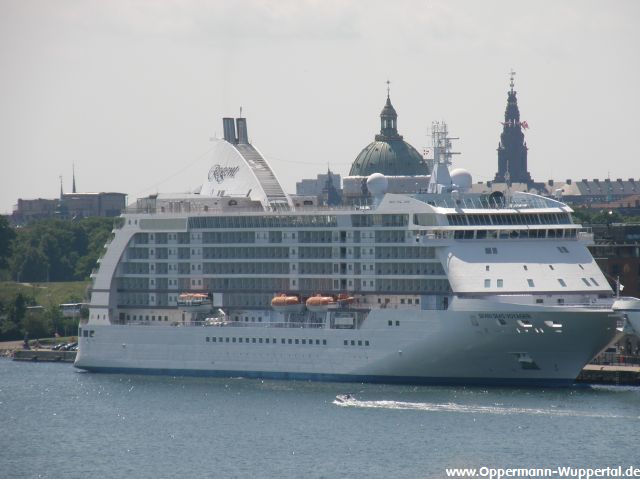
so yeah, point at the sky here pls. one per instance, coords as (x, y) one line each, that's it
(132, 93)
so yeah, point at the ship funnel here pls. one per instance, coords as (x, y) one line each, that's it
(241, 125)
(229, 130)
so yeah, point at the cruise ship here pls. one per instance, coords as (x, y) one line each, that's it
(434, 286)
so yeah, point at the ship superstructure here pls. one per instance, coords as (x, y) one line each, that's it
(443, 286)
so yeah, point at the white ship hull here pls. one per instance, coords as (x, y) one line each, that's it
(442, 286)
(426, 347)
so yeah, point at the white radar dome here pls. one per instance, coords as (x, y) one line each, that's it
(377, 184)
(461, 178)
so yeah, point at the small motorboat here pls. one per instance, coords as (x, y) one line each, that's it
(345, 398)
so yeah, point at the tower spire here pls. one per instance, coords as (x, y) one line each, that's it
(61, 192)
(512, 149)
(388, 120)
(73, 169)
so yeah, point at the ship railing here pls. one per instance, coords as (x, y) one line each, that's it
(484, 202)
(196, 209)
(586, 305)
(585, 234)
(233, 324)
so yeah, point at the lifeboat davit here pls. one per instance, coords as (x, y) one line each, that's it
(344, 299)
(194, 302)
(320, 303)
(282, 302)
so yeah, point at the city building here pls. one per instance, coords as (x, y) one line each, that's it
(69, 205)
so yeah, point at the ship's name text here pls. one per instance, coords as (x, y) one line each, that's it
(504, 316)
(219, 173)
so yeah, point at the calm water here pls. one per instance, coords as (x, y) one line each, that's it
(57, 422)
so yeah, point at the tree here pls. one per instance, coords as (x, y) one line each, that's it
(15, 313)
(6, 237)
(36, 324)
(58, 250)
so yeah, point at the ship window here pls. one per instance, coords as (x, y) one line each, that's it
(297, 341)
(266, 340)
(539, 300)
(282, 341)
(304, 341)
(359, 343)
(253, 340)
(213, 339)
(397, 323)
(366, 343)
(551, 267)
(317, 341)
(289, 341)
(324, 341)
(402, 301)
(353, 343)
(585, 281)
(530, 283)
(581, 267)
(239, 340)
(390, 323)
(233, 340)
(486, 268)
(487, 283)
(417, 301)
(560, 300)
(499, 283)
(346, 343)
(226, 340)
(595, 283)
(562, 283)
(525, 267)
(208, 339)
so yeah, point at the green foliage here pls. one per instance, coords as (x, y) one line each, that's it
(6, 237)
(16, 319)
(37, 324)
(12, 316)
(588, 216)
(58, 250)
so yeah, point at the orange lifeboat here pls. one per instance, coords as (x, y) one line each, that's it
(320, 303)
(282, 302)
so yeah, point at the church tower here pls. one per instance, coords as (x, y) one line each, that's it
(512, 149)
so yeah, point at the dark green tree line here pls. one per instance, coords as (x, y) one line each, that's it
(57, 250)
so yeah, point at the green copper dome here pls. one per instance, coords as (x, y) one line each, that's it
(389, 154)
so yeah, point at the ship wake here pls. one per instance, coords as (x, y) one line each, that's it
(451, 407)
